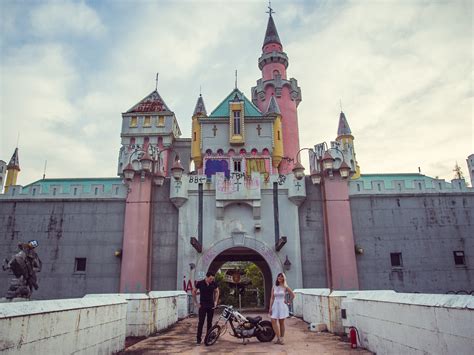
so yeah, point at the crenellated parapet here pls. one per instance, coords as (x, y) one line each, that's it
(383, 185)
(273, 57)
(60, 190)
(259, 91)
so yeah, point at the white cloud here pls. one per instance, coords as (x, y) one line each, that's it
(62, 18)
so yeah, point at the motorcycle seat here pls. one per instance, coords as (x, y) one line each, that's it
(254, 320)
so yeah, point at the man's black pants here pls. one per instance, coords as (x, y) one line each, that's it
(203, 312)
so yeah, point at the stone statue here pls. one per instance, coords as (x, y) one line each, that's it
(24, 265)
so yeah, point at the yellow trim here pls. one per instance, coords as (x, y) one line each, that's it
(161, 121)
(134, 121)
(277, 153)
(236, 138)
(12, 175)
(196, 154)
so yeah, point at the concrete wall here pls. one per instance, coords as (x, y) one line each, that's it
(165, 240)
(66, 230)
(152, 312)
(426, 229)
(79, 326)
(392, 323)
(313, 249)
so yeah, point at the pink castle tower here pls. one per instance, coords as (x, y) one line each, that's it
(273, 64)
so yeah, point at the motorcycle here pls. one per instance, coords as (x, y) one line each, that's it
(245, 328)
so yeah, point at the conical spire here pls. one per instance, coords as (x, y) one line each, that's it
(343, 128)
(200, 109)
(271, 36)
(273, 106)
(14, 161)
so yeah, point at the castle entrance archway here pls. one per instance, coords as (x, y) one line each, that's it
(242, 249)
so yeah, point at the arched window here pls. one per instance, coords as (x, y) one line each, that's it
(236, 122)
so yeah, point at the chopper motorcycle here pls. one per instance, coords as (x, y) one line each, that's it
(245, 327)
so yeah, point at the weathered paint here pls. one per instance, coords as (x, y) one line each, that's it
(134, 276)
(338, 222)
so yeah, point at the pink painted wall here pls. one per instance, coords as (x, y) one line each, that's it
(134, 273)
(342, 256)
(267, 71)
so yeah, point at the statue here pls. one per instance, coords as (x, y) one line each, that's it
(24, 265)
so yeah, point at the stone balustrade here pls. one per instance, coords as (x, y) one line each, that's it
(393, 323)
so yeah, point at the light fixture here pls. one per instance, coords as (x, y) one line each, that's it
(177, 169)
(146, 163)
(344, 170)
(315, 177)
(287, 264)
(298, 171)
(328, 161)
(158, 178)
(128, 172)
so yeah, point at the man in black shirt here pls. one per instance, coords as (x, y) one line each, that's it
(209, 295)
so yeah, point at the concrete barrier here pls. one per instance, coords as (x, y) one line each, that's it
(404, 323)
(152, 312)
(79, 326)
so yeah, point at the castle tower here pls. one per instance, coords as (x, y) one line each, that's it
(273, 64)
(3, 172)
(13, 168)
(199, 111)
(470, 166)
(346, 140)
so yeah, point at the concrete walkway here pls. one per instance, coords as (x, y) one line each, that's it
(181, 339)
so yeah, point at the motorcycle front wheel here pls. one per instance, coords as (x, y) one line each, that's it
(267, 334)
(212, 335)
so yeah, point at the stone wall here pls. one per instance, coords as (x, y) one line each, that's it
(66, 230)
(313, 249)
(79, 326)
(426, 229)
(393, 323)
(165, 240)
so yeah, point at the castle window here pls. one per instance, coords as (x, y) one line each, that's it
(116, 190)
(75, 191)
(34, 192)
(459, 258)
(396, 260)
(134, 121)
(419, 186)
(96, 190)
(80, 265)
(236, 122)
(358, 187)
(161, 120)
(194, 136)
(237, 166)
(54, 191)
(147, 122)
(278, 135)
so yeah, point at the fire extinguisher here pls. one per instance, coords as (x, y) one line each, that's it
(353, 335)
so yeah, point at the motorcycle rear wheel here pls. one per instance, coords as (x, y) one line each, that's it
(267, 334)
(212, 335)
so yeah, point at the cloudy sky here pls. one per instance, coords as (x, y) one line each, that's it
(402, 69)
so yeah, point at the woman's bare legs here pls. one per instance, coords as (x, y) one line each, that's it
(282, 330)
(276, 329)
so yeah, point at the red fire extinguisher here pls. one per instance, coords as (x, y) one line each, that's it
(353, 333)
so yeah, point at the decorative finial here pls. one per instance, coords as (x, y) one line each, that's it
(44, 171)
(236, 78)
(200, 90)
(156, 85)
(18, 139)
(270, 10)
(340, 104)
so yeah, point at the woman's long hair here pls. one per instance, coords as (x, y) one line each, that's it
(284, 280)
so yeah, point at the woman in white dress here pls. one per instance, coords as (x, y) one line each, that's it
(279, 306)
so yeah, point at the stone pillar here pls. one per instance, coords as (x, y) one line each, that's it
(340, 238)
(135, 271)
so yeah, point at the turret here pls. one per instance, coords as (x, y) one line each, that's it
(13, 168)
(470, 166)
(3, 172)
(199, 111)
(277, 153)
(346, 141)
(274, 83)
